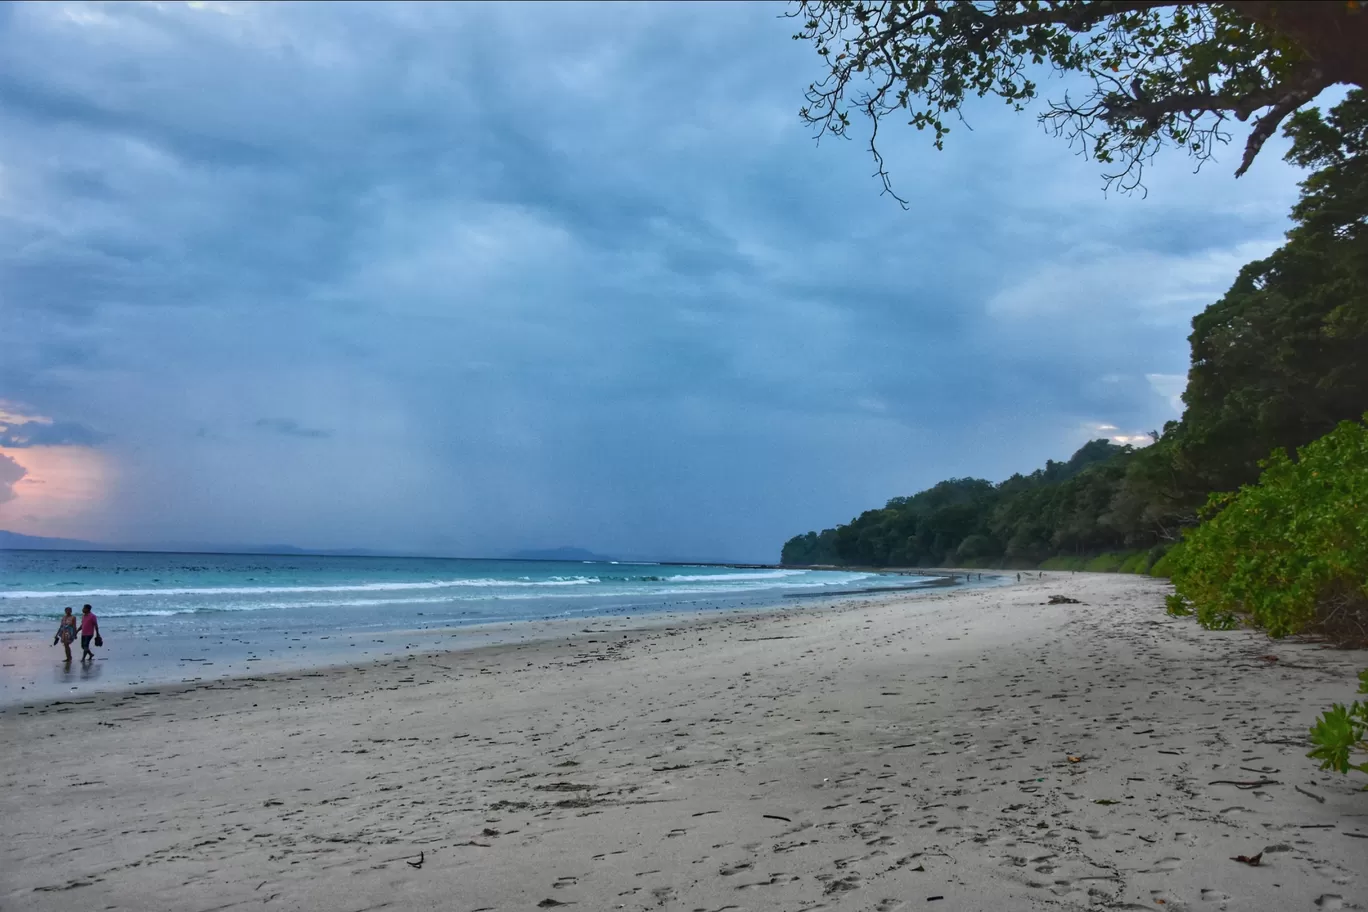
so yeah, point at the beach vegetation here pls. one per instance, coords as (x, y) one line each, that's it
(1163, 565)
(1140, 76)
(1288, 554)
(1341, 733)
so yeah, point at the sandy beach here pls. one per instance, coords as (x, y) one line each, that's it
(954, 750)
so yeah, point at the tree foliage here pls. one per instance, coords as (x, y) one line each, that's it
(1155, 73)
(1026, 519)
(1278, 361)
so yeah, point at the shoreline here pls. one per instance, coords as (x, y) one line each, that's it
(869, 754)
(411, 641)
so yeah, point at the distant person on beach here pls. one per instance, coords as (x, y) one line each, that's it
(90, 630)
(66, 632)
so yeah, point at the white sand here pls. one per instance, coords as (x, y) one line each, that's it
(867, 757)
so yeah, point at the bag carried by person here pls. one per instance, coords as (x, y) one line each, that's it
(99, 640)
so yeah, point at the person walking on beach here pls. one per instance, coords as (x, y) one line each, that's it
(66, 632)
(90, 630)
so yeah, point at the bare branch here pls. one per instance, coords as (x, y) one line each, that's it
(882, 172)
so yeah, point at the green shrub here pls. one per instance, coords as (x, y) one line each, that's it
(1342, 731)
(1289, 553)
(1136, 563)
(1176, 605)
(1107, 562)
(1163, 564)
(1104, 563)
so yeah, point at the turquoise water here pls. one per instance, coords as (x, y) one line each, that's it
(166, 617)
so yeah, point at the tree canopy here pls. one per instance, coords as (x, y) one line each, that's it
(1155, 73)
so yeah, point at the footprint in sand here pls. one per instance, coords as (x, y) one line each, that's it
(1164, 866)
(780, 847)
(774, 880)
(889, 905)
(1066, 888)
(1215, 896)
(1330, 901)
(843, 884)
(1334, 873)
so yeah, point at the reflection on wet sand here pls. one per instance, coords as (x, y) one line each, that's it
(70, 672)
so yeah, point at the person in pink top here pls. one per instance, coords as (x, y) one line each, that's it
(90, 630)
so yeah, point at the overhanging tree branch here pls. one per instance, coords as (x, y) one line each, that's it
(1292, 99)
(1163, 73)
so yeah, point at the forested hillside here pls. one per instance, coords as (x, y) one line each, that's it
(1276, 363)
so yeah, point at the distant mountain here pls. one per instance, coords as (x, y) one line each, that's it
(559, 554)
(280, 550)
(13, 540)
(292, 549)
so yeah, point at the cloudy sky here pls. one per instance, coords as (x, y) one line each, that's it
(465, 279)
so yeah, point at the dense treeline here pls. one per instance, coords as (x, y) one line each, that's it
(972, 522)
(1279, 361)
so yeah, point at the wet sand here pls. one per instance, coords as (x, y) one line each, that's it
(968, 749)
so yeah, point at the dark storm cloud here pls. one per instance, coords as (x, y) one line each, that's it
(291, 428)
(555, 274)
(49, 433)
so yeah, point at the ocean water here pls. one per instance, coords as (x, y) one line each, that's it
(174, 617)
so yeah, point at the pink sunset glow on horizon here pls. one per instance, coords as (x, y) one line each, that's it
(47, 489)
